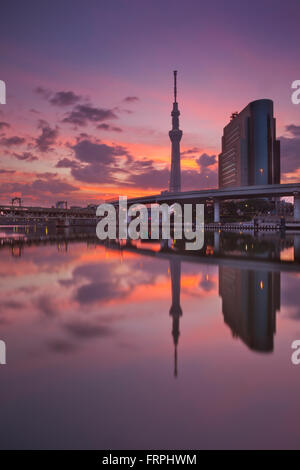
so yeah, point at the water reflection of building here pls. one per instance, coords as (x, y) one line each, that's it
(175, 310)
(250, 300)
(16, 251)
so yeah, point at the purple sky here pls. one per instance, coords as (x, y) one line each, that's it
(91, 142)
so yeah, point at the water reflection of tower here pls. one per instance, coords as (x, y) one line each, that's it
(250, 300)
(175, 310)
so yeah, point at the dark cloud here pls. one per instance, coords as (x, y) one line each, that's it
(44, 92)
(90, 271)
(203, 161)
(141, 165)
(95, 292)
(83, 114)
(4, 125)
(12, 304)
(100, 284)
(82, 136)
(49, 182)
(64, 98)
(203, 178)
(290, 149)
(12, 141)
(46, 305)
(62, 346)
(89, 152)
(131, 99)
(94, 173)
(107, 127)
(191, 151)
(59, 98)
(47, 138)
(45, 187)
(66, 163)
(293, 129)
(86, 330)
(206, 160)
(6, 172)
(151, 177)
(98, 161)
(28, 156)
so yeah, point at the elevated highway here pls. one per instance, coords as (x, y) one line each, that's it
(218, 195)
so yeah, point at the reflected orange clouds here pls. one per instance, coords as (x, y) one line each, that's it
(43, 270)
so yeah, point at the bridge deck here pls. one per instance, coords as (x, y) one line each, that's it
(243, 192)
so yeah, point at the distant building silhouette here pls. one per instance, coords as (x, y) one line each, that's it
(250, 152)
(250, 300)
(61, 205)
(175, 310)
(175, 135)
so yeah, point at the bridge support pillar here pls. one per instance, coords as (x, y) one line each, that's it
(297, 208)
(216, 211)
(297, 247)
(216, 242)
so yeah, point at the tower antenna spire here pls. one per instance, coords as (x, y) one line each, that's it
(175, 86)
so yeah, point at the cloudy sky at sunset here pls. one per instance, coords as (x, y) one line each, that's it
(89, 91)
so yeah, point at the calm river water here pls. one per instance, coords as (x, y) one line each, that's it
(147, 346)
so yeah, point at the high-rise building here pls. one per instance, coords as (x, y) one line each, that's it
(250, 152)
(175, 135)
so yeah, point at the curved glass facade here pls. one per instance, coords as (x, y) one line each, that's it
(250, 152)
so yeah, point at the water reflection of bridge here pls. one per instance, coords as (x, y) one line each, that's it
(61, 238)
(249, 288)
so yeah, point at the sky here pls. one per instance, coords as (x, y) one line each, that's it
(89, 91)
